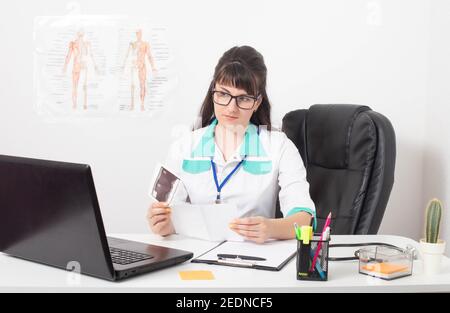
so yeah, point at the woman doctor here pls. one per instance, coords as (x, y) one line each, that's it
(236, 157)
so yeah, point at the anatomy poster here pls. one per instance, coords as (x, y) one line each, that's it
(100, 67)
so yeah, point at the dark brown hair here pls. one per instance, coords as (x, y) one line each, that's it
(243, 68)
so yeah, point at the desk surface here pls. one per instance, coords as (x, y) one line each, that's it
(22, 276)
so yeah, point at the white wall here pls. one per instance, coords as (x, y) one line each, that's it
(368, 52)
(437, 142)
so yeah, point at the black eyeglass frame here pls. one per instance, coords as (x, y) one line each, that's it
(236, 98)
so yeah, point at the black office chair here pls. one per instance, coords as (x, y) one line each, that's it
(349, 153)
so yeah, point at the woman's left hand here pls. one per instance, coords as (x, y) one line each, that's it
(257, 229)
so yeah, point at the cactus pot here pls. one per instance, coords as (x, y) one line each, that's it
(432, 256)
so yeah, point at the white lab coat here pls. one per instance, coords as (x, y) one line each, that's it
(273, 167)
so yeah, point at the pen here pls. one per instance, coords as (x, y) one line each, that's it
(297, 232)
(318, 268)
(327, 234)
(242, 257)
(322, 238)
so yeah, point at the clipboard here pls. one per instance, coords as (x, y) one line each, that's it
(271, 256)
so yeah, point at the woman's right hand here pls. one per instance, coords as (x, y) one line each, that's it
(159, 219)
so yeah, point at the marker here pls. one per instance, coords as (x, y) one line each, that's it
(305, 251)
(297, 231)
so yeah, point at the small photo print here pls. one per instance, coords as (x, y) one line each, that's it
(165, 185)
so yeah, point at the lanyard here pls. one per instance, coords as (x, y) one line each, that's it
(216, 180)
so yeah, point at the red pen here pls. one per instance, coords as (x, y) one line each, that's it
(322, 238)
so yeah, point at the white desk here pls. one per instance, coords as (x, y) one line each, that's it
(18, 275)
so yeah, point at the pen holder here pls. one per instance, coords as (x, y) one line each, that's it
(305, 257)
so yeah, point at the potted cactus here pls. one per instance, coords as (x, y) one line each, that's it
(432, 247)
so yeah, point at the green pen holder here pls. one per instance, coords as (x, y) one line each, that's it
(305, 257)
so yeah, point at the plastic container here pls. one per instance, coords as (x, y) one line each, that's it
(385, 262)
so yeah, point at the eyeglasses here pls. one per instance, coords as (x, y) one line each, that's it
(243, 102)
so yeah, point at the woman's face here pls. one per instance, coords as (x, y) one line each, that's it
(232, 115)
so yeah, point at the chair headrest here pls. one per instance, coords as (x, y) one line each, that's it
(329, 134)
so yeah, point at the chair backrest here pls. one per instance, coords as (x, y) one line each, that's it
(349, 153)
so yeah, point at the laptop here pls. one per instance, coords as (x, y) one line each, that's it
(49, 214)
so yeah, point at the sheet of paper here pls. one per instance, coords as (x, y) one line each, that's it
(275, 253)
(206, 222)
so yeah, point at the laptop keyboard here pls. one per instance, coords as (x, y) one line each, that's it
(124, 257)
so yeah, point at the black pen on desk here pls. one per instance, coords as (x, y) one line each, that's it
(242, 257)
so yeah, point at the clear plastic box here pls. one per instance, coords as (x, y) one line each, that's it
(385, 262)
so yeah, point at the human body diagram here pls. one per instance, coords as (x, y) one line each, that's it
(138, 54)
(80, 51)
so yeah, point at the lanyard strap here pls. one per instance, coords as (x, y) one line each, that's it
(216, 180)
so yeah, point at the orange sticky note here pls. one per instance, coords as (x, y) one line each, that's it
(385, 268)
(197, 275)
